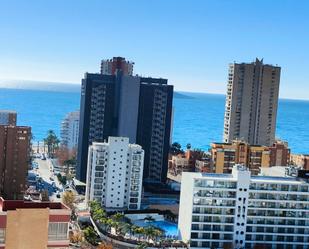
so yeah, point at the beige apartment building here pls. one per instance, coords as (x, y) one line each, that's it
(251, 103)
(301, 160)
(226, 155)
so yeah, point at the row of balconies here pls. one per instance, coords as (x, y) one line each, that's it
(280, 187)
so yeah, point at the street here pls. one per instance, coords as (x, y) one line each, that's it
(49, 180)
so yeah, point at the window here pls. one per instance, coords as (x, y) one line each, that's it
(58, 231)
(2, 235)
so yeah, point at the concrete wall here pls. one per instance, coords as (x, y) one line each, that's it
(27, 229)
(128, 107)
(186, 205)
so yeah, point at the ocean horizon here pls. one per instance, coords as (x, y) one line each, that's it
(198, 117)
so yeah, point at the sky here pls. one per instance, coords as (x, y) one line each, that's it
(188, 42)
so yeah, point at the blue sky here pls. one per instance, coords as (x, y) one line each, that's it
(189, 42)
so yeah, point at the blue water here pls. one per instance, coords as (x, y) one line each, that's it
(197, 120)
(42, 110)
(170, 229)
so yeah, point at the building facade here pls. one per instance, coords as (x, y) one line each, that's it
(190, 161)
(115, 174)
(8, 117)
(301, 160)
(70, 130)
(280, 154)
(14, 160)
(110, 66)
(154, 127)
(129, 106)
(226, 155)
(251, 103)
(31, 225)
(242, 211)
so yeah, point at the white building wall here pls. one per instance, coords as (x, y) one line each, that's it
(115, 171)
(239, 211)
(186, 204)
(242, 196)
(70, 130)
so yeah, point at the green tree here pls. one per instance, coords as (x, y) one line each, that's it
(90, 235)
(52, 142)
(142, 245)
(175, 149)
(189, 146)
(62, 179)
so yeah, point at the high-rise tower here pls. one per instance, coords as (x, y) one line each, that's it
(251, 103)
(129, 106)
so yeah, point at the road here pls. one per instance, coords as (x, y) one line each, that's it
(45, 172)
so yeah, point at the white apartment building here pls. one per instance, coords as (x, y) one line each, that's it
(115, 174)
(242, 211)
(70, 130)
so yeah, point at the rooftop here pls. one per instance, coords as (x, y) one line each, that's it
(238, 168)
(7, 111)
(6, 205)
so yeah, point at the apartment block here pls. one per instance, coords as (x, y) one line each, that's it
(34, 225)
(69, 132)
(226, 155)
(115, 174)
(110, 66)
(280, 154)
(242, 211)
(128, 106)
(251, 103)
(301, 160)
(8, 117)
(189, 162)
(14, 160)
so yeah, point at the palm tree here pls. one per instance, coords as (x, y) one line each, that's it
(149, 218)
(125, 228)
(149, 232)
(52, 142)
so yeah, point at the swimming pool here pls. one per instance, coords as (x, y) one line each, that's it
(169, 228)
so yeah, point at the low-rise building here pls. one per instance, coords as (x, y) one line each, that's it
(226, 155)
(279, 154)
(185, 162)
(178, 164)
(34, 225)
(115, 173)
(204, 165)
(242, 211)
(301, 160)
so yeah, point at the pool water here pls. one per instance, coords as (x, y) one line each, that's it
(169, 228)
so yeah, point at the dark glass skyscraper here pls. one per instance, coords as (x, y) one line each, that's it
(131, 106)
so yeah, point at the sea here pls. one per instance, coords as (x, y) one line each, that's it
(197, 119)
